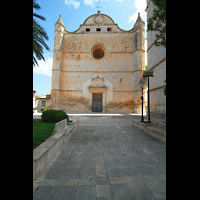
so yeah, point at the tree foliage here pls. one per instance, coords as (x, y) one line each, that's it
(158, 22)
(39, 36)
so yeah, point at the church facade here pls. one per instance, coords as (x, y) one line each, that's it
(97, 68)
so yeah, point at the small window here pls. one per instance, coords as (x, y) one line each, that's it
(109, 29)
(43, 103)
(87, 29)
(98, 29)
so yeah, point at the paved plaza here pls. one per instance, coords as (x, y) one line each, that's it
(107, 158)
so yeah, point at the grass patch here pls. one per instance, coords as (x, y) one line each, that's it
(41, 131)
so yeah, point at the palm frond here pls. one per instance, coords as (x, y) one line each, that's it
(39, 16)
(35, 61)
(39, 37)
(36, 5)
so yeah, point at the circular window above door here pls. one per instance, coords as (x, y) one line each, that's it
(98, 51)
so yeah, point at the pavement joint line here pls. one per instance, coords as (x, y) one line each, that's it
(124, 131)
(118, 127)
(147, 151)
(116, 180)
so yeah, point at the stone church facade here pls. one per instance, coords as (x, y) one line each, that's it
(97, 68)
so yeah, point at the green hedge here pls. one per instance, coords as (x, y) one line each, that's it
(54, 116)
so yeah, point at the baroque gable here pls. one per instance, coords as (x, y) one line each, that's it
(99, 19)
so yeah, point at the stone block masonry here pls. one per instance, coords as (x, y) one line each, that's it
(107, 61)
(156, 61)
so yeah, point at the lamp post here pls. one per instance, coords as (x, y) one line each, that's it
(148, 73)
(141, 84)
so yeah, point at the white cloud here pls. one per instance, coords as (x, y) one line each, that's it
(140, 6)
(89, 2)
(133, 18)
(45, 67)
(74, 3)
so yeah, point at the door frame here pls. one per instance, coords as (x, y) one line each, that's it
(97, 90)
(101, 101)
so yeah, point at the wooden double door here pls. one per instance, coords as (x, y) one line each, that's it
(97, 102)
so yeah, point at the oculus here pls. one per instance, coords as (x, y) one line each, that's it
(98, 51)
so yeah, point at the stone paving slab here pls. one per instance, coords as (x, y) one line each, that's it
(107, 160)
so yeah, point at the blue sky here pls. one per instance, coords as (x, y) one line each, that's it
(74, 13)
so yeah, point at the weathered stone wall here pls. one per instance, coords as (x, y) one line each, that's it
(156, 61)
(74, 66)
(73, 101)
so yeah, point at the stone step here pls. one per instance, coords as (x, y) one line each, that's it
(155, 132)
(155, 128)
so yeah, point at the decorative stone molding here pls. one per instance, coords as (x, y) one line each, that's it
(97, 82)
(98, 18)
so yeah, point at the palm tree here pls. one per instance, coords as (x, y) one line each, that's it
(39, 35)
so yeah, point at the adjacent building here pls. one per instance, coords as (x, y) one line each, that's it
(156, 61)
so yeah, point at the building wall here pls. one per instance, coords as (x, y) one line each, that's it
(156, 61)
(48, 103)
(74, 66)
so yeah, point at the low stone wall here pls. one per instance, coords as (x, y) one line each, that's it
(155, 128)
(60, 126)
(45, 151)
(159, 115)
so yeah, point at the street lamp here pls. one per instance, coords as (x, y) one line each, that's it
(141, 84)
(148, 73)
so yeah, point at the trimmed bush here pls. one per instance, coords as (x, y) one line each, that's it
(67, 117)
(54, 116)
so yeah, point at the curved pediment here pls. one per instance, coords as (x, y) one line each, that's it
(97, 81)
(105, 24)
(99, 19)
